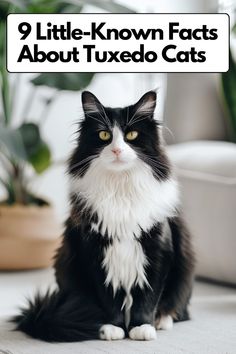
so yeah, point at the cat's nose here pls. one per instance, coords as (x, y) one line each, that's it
(116, 151)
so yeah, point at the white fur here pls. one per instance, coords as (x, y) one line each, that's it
(165, 323)
(110, 332)
(127, 199)
(125, 259)
(143, 332)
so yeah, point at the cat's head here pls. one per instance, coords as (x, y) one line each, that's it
(119, 138)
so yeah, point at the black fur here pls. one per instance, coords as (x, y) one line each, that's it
(82, 302)
(61, 317)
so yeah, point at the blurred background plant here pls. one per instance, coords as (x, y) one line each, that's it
(23, 151)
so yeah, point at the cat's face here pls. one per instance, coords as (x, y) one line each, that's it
(118, 138)
(117, 153)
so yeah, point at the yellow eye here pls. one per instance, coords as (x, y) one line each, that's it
(104, 135)
(132, 135)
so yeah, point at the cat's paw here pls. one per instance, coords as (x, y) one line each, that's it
(110, 332)
(143, 332)
(165, 322)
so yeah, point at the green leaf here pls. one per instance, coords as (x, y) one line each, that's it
(110, 6)
(31, 137)
(9, 6)
(5, 93)
(35, 6)
(41, 159)
(2, 40)
(43, 6)
(38, 153)
(18, 3)
(229, 92)
(69, 9)
(59, 6)
(64, 81)
(25, 143)
(4, 76)
(4, 10)
(11, 140)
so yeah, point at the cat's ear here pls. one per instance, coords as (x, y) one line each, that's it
(146, 105)
(90, 103)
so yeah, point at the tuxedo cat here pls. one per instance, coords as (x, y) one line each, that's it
(125, 267)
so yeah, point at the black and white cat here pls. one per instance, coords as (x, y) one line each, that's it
(125, 267)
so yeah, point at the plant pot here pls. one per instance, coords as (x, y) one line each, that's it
(29, 237)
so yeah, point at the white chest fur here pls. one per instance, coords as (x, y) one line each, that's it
(124, 262)
(126, 203)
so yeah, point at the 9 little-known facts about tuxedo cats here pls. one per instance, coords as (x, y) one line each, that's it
(125, 267)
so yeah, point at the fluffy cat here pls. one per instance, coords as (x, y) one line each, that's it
(125, 267)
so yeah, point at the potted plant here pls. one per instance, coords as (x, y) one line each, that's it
(29, 231)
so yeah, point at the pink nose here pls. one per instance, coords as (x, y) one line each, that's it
(116, 151)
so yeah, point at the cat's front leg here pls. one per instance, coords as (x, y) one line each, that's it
(142, 315)
(113, 327)
(111, 332)
(144, 332)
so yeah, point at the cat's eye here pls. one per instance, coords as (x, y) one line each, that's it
(132, 135)
(104, 135)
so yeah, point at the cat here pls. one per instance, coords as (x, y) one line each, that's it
(125, 266)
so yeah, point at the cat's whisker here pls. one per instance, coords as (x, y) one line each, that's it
(154, 159)
(169, 131)
(96, 119)
(138, 120)
(155, 163)
(107, 118)
(134, 115)
(105, 115)
(142, 111)
(86, 163)
(87, 159)
(101, 127)
(130, 121)
(104, 120)
(159, 164)
(151, 157)
(83, 169)
(127, 115)
(84, 160)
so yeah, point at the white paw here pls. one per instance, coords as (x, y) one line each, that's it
(165, 322)
(110, 332)
(144, 332)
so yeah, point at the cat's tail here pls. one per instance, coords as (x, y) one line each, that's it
(57, 317)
